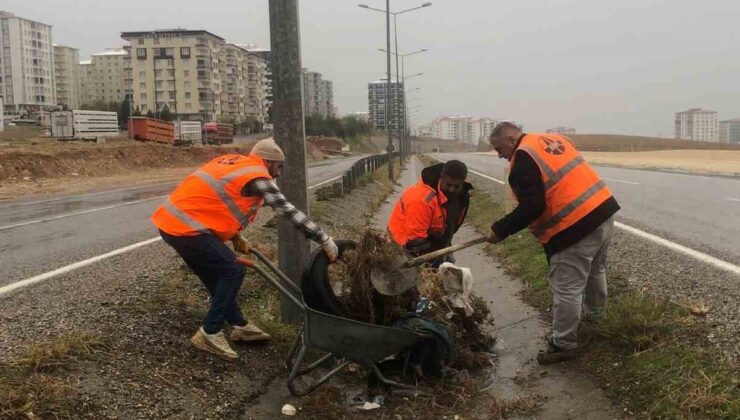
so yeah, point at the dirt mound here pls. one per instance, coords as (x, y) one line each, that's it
(326, 143)
(55, 161)
(350, 279)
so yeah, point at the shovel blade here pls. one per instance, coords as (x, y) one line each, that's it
(394, 281)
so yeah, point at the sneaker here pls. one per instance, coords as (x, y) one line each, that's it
(248, 333)
(214, 343)
(555, 354)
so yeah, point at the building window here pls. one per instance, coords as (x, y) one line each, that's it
(142, 85)
(156, 41)
(184, 52)
(142, 75)
(187, 85)
(188, 107)
(141, 41)
(187, 95)
(143, 96)
(157, 73)
(141, 53)
(143, 107)
(186, 73)
(172, 95)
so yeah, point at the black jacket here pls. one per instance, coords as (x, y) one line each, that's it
(526, 183)
(456, 209)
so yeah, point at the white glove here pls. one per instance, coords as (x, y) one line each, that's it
(331, 249)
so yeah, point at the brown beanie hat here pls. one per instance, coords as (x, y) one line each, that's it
(267, 149)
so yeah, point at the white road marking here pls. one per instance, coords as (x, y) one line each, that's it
(476, 172)
(733, 199)
(79, 213)
(716, 262)
(325, 182)
(84, 263)
(79, 264)
(620, 180)
(69, 197)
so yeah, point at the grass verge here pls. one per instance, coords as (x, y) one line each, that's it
(40, 382)
(647, 352)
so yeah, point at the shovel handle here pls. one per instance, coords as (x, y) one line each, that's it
(442, 252)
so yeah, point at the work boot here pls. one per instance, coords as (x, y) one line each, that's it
(248, 333)
(214, 343)
(555, 354)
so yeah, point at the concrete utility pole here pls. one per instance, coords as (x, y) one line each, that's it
(388, 91)
(289, 133)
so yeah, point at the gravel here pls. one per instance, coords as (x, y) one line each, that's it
(148, 368)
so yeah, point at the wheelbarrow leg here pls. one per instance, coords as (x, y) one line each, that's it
(374, 369)
(293, 349)
(296, 371)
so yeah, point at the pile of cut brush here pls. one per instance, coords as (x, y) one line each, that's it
(358, 300)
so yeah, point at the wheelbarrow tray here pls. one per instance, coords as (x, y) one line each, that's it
(344, 340)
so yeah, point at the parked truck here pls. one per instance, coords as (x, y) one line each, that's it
(83, 124)
(218, 133)
(188, 132)
(151, 129)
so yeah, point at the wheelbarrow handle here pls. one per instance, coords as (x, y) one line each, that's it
(414, 262)
(282, 283)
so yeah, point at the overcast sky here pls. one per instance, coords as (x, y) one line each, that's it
(600, 66)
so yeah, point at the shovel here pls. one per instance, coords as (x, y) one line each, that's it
(402, 275)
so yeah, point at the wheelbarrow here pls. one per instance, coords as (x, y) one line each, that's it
(343, 340)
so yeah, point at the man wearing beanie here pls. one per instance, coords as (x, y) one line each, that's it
(213, 205)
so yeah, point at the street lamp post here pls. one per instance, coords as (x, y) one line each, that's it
(388, 13)
(403, 139)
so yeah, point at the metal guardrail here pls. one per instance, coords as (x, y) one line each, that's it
(363, 167)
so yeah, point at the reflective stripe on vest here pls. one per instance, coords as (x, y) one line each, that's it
(572, 188)
(430, 196)
(184, 218)
(220, 188)
(570, 208)
(553, 177)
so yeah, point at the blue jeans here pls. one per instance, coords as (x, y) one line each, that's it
(215, 265)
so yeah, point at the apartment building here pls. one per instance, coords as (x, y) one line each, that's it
(480, 129)
(102, 78)
(376, 97)
(259, 87)
(318, 94)
(179, 69)
(26, 64)
(196, 74)
(326, 98)
(67, 76)
(85, 75)
(266, 90)
(235, 79)
(729, 131)
(697, 124)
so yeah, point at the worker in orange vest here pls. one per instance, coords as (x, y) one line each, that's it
(570, 210)
(212, 206)
(429, 212)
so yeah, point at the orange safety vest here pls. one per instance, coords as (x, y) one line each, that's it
(210, 201)
(572, 188)
(417, 213)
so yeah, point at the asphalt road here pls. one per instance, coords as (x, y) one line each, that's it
(700, 212)
(39, 235)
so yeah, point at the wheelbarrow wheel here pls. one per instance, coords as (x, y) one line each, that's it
(315, 285)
